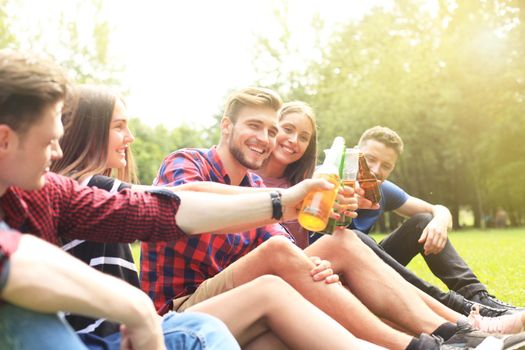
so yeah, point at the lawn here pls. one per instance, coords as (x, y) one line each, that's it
(496, 256)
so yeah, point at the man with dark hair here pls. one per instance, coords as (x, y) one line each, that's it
(425, 232)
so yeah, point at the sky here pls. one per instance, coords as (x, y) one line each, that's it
(182, 58)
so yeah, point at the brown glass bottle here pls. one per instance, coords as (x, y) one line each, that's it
(368, 181)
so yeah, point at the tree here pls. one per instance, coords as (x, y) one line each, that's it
(449, 80)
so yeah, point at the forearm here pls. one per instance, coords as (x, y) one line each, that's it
(46, 279)
(206, 212)
(442, 214)
(215, 187)
(206, 186)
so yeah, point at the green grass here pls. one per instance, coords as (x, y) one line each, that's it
(496, 256)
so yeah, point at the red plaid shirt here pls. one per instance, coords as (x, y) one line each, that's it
(63, 208)
(174, 269)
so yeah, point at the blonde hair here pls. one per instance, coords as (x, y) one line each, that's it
(385, 135)
(251, 97)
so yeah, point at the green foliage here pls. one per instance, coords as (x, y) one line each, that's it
(7, 38)
(495, 256)
(84, 50)
(152, 144)
(451, 82)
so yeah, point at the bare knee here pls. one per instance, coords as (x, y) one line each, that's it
(281, 255)
(347, 240)
(272, 291)
(271, 285)
(278, 248)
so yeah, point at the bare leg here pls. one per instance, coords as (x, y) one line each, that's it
(440, 309)
(375, 283)
(296, 323)
(266, 341)
(278, 256)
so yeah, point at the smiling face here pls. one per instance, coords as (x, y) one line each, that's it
(252, 138)
(120, 137)
(380, 158)
(28, 156)
(295, 134)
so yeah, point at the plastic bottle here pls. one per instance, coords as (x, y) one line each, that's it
(318, 204)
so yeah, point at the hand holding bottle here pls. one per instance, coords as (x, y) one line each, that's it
(346, 204)
(317, 206)
(362, 202)
(292, 198)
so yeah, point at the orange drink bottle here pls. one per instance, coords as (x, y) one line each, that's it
(317, 205)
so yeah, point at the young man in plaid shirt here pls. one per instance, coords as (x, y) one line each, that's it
(182, 273)
(51, 206)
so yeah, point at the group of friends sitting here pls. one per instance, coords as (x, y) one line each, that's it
(224, 263)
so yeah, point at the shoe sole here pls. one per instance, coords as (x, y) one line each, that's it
(520, 345)
(514, 344)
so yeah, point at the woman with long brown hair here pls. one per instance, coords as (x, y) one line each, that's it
(294, 156)
(96, 144)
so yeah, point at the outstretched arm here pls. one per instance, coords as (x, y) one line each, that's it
(205, 212)
(45, 279)
(435, 235)
(209, 187)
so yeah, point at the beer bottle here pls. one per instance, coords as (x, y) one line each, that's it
(368, 181)
(318, 204)
(332, 223)
(349, 177)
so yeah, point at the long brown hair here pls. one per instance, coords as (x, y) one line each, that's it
(87, 117)
(302, 168)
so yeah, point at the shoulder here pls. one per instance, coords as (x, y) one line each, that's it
(255, 180)
(394, 196)
(57, 185)
(184, 165)
(186, 157)
(187, 153)
(391, 189)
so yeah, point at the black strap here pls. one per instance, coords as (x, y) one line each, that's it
(277, 208)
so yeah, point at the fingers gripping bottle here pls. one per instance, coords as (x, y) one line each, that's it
(318, 204)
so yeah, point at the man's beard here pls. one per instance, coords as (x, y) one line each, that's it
(239, 156)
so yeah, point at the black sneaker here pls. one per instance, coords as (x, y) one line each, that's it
(433, 342)
(484, 298)
(484, 310)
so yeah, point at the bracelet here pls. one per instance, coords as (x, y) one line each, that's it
(277, 207)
